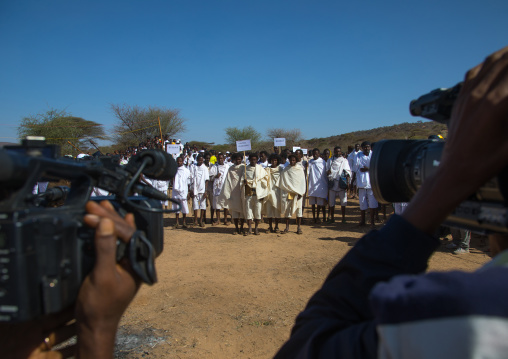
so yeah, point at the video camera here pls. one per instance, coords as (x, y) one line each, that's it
(46, 251)
(399, 167)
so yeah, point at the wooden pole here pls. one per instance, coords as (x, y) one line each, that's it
(160, 128)
(69, 142)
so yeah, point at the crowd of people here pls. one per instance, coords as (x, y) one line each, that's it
(249, 188)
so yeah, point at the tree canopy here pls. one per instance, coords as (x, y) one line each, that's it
(60, 128)
(135, 124)
(293, 136)
(234, 134)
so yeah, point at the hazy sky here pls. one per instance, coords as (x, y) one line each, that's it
(325, 67)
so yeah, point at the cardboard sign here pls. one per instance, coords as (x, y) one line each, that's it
(304, 150)
(295, 148)
(279, 142)
(243, 145)
(173, 149)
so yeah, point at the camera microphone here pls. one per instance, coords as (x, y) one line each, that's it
(159, 164)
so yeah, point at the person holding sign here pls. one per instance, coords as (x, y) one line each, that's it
(181, 191)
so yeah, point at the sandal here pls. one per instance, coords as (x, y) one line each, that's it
(285, 231)
(276, 230)
(184, 225)
(202, 225)
(176, 226)
(299, 231)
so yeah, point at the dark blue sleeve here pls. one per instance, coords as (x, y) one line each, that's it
(338, 320)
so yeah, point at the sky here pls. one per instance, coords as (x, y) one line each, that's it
(324, 67)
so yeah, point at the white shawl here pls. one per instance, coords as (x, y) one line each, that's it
(181, 182)
(292, 181)
(318, 184)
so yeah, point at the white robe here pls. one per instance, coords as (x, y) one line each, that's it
(318, 184)
(362, 178)
(292, 184)
(199, 177)
(337, 165)
(259, 180)
(231, 194)
(181, 183)
(272, 202)
(218, 183)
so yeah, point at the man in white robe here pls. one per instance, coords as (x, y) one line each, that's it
(292, 185)
(218, 174)
(337, 166)
(318, 185)
(180, 193)
(366, 196)
(351, 158)
(272, 202)
(232, 194)
(199, 183)
(255, 190)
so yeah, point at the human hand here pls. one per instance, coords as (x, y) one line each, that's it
(476, 148)
(109, 288)
(35, 339)
(478, 130)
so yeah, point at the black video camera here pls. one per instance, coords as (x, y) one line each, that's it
(399, 167)
(46, 251)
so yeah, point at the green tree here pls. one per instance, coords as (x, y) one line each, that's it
(135, 124)
(234, 134)
(60, 127)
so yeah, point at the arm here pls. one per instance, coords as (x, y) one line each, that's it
(338, 320)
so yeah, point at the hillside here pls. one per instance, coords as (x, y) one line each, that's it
(406, 131)
(417, 130)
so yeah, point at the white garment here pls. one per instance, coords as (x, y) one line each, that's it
(272, 202)
(161, 186)
(218, 183)
(199, 178)
(292, 184)
(231, 194)
(181, 182)
(318, 184)
(362, 178)
(337, 165)
(351, 158)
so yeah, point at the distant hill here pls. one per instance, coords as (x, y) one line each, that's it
(405, 131)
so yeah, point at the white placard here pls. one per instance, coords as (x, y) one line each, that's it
(279, 142)
(295, 148)
(173, 149)
(304, 150)
(243, 145)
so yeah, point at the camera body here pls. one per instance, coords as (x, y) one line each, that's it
(399, 167)
(46, 251)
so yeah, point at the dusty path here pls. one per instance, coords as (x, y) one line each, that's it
(226, 296)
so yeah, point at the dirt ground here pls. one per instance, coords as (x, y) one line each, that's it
(226, 296)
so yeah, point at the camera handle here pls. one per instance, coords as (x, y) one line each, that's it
(141, 256)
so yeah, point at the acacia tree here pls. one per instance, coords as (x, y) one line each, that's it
(293, 136)
(60, 127)
(136, 124)
(234, 134)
